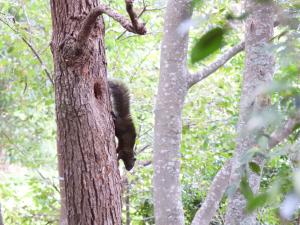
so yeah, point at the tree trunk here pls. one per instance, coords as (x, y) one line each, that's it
(259, 68)
(172, 90)
(211, 204)
(1, 219)
(89, 176)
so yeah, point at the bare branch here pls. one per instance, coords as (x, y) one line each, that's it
(220, 182)
(195, 78)
(208, 209)
(133, 26)
(141, 13)
(143, 149)
(133, 16)
(144, 163)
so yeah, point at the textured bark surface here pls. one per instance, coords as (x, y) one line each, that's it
(89, 176)
(167, 131)
(259, 68)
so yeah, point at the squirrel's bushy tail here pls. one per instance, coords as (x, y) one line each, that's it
(120, 98)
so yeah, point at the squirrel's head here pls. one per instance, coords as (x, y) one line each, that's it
(129, 163)
(128, 159)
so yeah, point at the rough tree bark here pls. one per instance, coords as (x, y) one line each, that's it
(85, 139)
(167, 130)
(259, 68)
(89, 177)
(175, 80)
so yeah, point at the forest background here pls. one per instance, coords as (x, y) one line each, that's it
(29, 181)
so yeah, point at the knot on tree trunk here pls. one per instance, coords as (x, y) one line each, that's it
(73, 53)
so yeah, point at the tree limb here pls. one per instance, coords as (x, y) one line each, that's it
(134, 17)
(145, 9)
(133, 26)
(208, 209)
(279, 135)
(220, 182)
(195, 78)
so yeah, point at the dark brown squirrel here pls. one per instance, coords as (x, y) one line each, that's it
(124, 127)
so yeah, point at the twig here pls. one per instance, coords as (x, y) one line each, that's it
(143, 149)
(195, 78)
(39, 59)
(145, 9)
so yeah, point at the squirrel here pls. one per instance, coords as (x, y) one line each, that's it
(124, 126)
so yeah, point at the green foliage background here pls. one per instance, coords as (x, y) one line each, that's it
(28, 169)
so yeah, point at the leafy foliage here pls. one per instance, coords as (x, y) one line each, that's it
(29, 182)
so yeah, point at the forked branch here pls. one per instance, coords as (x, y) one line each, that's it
(133, 25)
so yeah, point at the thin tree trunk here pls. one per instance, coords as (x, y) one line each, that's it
(172, 90)
(89, 176)
(259, 68)
(1, 219)
(211, 204)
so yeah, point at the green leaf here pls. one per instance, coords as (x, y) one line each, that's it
(256, 202)
(254, 167)
(196, 3)
(245, 188)
(207, 44)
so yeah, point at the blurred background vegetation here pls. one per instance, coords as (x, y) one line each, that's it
(28, 167)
